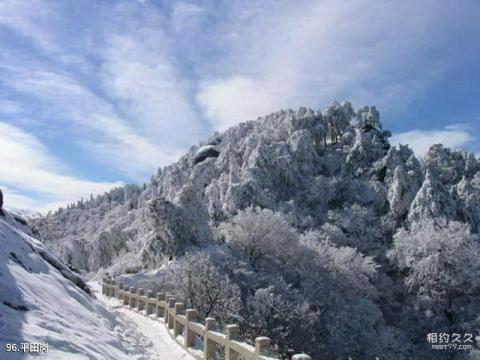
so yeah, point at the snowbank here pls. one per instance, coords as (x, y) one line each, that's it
(41, 302)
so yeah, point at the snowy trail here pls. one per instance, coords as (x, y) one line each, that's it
(145, 337)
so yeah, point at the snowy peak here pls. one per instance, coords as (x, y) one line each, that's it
(306, 164)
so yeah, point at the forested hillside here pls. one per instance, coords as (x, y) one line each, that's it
(362, 247)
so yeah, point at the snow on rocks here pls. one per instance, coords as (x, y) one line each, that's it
(205, 152)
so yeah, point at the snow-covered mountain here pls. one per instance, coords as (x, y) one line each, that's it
(26, 214)
(317, 167)
(43, 302)
(304, 226)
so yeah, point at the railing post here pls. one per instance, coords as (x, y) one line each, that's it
(141, 292)
(301, 357)
(261, 344)
(112, 288)
(232, 332)
(126, 296)
(208, 345)
(190, 315)
(107, 287)
(177, 326)
(170, 310)
(104, 287)
(149, 304)
(133, 292)
(160, 311)
(120, 290)
(165, 311)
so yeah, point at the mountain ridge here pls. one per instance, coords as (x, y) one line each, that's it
(325, 233)
(283, 161)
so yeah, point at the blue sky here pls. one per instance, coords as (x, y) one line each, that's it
(98, 93)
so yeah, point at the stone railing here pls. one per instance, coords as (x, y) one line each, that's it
(182, 325)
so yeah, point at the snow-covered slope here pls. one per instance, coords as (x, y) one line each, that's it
(26, 214)
(316, 167)
(42, 301)
(331, 208)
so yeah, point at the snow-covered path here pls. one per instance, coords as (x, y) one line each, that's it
(144, 337)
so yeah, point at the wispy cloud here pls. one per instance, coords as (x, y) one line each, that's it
(308, 53)
(90, 121)
(133, 84)
(227, 102)
(9, 107)
(29, 167)
(186, 16)
(141, 74)
(30, 20)
(136, 113)
(454, 136)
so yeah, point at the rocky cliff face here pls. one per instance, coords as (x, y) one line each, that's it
(319, 168)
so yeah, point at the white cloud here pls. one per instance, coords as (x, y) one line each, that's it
(453, 136)
(185, 15)
(312, 52)
(230, 101)
(136, 113)
(28, 165)
(29, 19)
(9, 107)
(92, 122)
(139, 74)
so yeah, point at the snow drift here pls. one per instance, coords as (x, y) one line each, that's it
(42, 301)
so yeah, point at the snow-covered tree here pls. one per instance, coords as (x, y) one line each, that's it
(369, 117)
(286, 317)
(338, 118)
(260, 234)
(440, 262)
(361, 228)
(344, 263)
(196, 281)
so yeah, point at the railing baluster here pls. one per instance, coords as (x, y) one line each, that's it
(140, 305)
(177, 326)
(170, 311)
(120, 291)
(232, 332)
(126, 296)
(133, 293)
(261, 344)
(208, 344)
(160, 311)
(190, 316)
(149, 305)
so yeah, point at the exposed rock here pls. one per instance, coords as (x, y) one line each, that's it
(205, 152)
